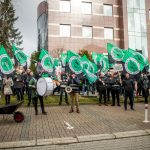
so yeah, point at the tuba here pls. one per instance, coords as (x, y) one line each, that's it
(68, 89)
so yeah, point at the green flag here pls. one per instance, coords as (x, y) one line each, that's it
(131, 64)
(87, 64)
(63, 58)
(139, 57)
(115, 54)
(104, 63)
(91, 77)
(46, 61)
(95, 58)
(20, 55)
(56, 62)
(74, 63)
(6, 65)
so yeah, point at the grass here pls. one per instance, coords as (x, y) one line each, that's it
(54, 100)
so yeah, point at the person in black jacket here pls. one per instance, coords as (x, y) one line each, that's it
(115, 89)
(108, 80)
(74, 95)
(62, 89)
(101, 88)
(129, 87)
(145, 88)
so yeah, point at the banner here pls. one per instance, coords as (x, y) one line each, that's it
(46, 61)
(115, 54)
(20, 56)
(74, 64)
(6, 65)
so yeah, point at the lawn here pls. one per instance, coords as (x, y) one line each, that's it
(54, 100)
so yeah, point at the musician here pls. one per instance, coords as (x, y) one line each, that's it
(101, 88)
(74, 95)
(35, 96)
(115, 88)
(62, 89)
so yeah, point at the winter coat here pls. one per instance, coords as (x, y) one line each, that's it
(8, 83)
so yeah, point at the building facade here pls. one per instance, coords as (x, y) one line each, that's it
(90, 24)
(42, 25)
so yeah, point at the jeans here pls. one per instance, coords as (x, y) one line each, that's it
(130, 95)
(35, 102)
(61, 96)
(29, 96)
(74, 97)
(19, 94)
(102, 93)
(7, 99)
(115, 95)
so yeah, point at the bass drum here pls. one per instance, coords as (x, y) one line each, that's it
(45, 86)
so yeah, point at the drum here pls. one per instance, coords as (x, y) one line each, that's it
(45, 86)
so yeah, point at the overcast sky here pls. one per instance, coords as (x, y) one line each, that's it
(26, 10)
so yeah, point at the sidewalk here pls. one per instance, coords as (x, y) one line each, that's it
(93, 120)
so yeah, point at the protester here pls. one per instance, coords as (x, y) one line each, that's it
(62, 89)
(145, 88)
(28, 89)
(74, 95)
(7, 83)
(108, 79)
(35, 96)
(129, 88)
(115, 89)
(101, 88)
(18, 85)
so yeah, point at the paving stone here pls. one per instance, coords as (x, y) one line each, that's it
(93, 120)
(56, 141)
(95, 137)
(130, 134)
(17, 144)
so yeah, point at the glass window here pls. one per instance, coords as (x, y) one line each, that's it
(130, 21)
(144, 46)
(108, 33)
(142, 4)
(137, 22)
(138, 42)
(143, 23)
(136, 3)
(65, 6)
(64, 30)
(108, 10)
(132, 42)
(87, 32)
(130, 3)
(86, 7)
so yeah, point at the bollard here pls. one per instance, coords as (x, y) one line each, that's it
(146, 114)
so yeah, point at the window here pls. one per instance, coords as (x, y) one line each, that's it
(86, 7)
(87, 32)
(65, 6)
(108, 10)
(64, 30)
(149, 14)
(108, 33)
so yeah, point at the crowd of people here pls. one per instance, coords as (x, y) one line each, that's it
(109, 88)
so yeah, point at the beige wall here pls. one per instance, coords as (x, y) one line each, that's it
(96, 19)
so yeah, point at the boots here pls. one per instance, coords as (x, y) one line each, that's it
(78, 111)
(71, 110)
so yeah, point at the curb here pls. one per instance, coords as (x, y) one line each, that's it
(71, 140)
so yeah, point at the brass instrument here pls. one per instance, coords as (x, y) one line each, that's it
(68, 89)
